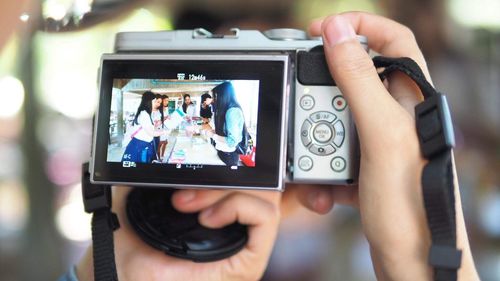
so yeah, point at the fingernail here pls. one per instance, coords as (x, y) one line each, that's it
(337, 30)
(186, 196)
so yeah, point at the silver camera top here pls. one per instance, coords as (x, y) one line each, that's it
(283, 39)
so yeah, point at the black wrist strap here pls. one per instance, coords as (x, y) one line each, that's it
(97, 200)
(435, 133)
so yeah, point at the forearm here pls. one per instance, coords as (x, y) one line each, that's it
(393, 264)
(222, 144)
(467, 270)
(153, 132)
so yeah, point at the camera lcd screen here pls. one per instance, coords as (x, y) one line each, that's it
(184, 122)
(205, 122)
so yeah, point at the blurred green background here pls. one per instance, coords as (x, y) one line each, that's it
(48, 94)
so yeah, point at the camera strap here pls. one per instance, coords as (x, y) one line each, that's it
(436, 138)
(97, 201)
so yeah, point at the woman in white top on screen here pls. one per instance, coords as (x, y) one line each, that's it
(188, 107)
(142, 148)
(163, 138)
(164, 102)
(157, 116)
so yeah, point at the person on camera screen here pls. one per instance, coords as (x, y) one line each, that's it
(143, 144)
(229, 124)
(206, 110)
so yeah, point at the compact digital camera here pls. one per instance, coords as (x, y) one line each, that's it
(281, 118)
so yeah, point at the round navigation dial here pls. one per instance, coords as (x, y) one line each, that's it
(322, 134)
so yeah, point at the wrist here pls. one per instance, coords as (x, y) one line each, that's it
(85, 268)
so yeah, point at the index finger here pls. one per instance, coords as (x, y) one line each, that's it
(385, 36)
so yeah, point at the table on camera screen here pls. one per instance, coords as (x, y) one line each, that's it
(195, 149)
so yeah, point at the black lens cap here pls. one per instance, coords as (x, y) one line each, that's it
(159, 224)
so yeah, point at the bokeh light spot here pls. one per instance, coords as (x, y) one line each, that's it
(11, 96)
(13, 208)
(71, 220)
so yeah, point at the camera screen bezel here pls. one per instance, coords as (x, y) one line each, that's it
(271, 71)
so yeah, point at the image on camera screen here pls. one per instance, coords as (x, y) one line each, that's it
(183, 122)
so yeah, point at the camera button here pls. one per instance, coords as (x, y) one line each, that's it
(323, 116)
(322, 150)
(286, 34)
(307, 102)
(322, 133)
(338, 164)
(339, 133)
(304, 133)
(305, 163)
(339, 103)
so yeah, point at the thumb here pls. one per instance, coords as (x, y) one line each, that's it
(356, 76)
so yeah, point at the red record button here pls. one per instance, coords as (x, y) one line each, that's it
(339, 103)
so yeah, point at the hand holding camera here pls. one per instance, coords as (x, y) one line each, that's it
(389, 193)
(136, 260)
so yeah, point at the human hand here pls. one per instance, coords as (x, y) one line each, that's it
(135, 260)
(209, 132)
(389, 193)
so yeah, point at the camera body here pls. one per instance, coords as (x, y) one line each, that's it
(298, 124)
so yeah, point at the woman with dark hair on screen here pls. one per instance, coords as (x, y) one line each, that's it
(206, 111)
(188, 106)
(229, 124)
(163, 138)
(157, 116)
(142, 147)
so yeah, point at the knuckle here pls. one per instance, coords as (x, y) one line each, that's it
(274, 213)
(412, 50)
(356, 66)
(267, 212)
(407, 33)
(236, 197)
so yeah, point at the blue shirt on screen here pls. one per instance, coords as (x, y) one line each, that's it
(234, 126)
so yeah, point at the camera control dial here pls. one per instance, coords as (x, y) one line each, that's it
(287, 34)
(324, 134)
